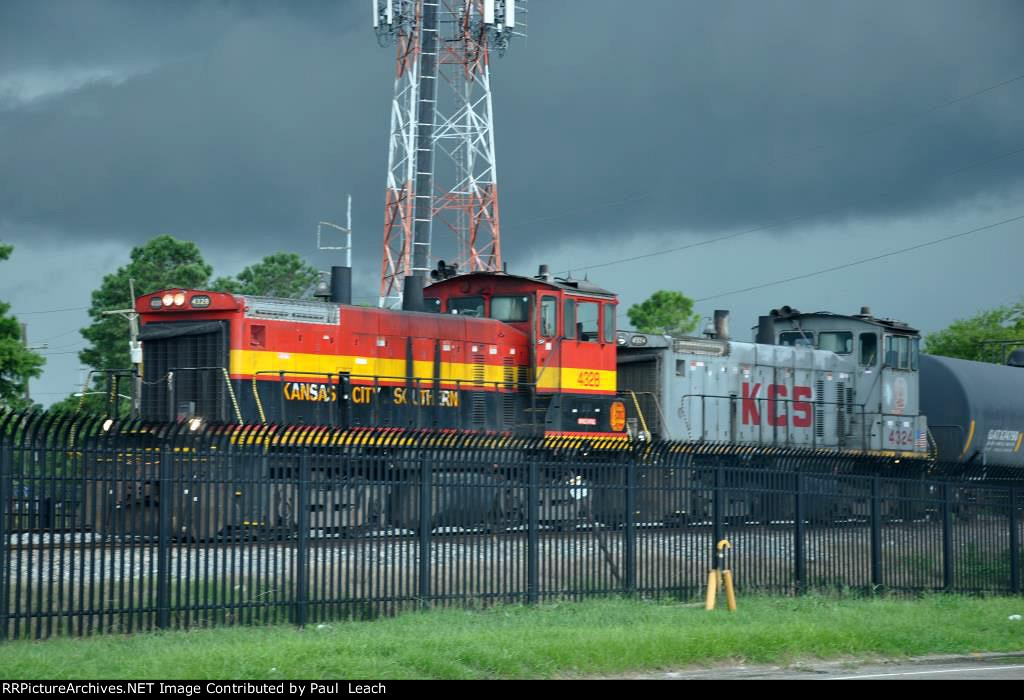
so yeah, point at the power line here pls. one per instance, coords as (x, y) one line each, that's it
(59, 335)
(69, 352)
(862, 261)
(51, 311)
(784, 222)
(779, 159)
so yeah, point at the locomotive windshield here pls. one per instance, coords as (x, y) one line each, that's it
(800, 339)
(510, 309)
(901, 352)
(839, 342)
(466, 306)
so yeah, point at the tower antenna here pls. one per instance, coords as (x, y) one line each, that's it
(441, 157)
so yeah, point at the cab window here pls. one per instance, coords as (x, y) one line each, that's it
(466, 306)
(915, 351)
(432, 305)
(548, 309)
(897, 351)
(609, 323)
(511, 309)
(570, 319)
(839, 342)
(800, 339)
(868, 349)
(587, 315)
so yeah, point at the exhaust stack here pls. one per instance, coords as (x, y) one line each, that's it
(722, 324)
(341, 284)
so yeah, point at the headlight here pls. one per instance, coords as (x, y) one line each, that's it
(168, 299)
(179, 299)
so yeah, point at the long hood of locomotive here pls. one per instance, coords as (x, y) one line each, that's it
(747, 393)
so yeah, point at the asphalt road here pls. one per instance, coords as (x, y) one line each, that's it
(972, 667)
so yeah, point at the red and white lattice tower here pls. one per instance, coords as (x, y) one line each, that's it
(441, 164)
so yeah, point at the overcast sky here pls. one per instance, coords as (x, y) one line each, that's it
(811, 133)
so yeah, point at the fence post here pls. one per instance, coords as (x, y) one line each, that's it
(5, 474)
(799, 555)
(630, 548)
(532, 527)
(302, 541)
(876, 532)
(1014, 542)
(424, 529)
(717, 515)
(163, 555)
(947, 537)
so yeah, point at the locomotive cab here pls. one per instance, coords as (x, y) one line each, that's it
(880, 390)
(571, 329)
(571, 323)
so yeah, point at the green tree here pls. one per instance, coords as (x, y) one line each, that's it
(963, 338)
(18, 364)
(162, 263)
(665, 312)
(279, 275)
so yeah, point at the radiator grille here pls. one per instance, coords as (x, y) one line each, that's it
(509, 395)
(478, 407)
(841, 412)
(642, 378)
(819, 408)
(198, 385)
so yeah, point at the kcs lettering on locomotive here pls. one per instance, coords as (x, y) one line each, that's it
(300, 391)
(799, 409)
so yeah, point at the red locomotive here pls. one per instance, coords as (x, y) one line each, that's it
(486, 352)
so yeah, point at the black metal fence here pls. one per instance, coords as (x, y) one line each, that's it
(119, 527)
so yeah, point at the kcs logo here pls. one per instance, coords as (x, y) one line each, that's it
(796, 410)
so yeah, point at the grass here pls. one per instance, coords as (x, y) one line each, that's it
(553, 640)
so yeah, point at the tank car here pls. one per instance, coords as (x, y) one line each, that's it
(975, 409)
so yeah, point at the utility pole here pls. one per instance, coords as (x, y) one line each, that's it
(24, 341)
(135, 348)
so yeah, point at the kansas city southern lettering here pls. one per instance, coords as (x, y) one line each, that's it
(401, 396)
(425, 397)
(775, 408)
(300, 391)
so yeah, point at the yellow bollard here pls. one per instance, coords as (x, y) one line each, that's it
(730, 594)
(718, 576)
(709, 602)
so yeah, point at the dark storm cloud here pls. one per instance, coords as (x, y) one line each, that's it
(248, 121)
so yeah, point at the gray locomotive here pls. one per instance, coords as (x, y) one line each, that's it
(818, 380)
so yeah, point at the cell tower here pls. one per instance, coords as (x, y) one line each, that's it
(441, 164)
